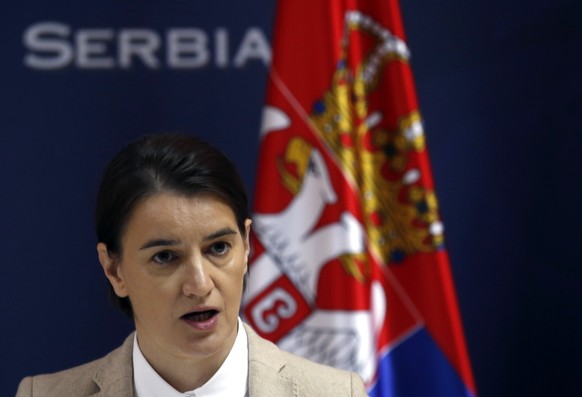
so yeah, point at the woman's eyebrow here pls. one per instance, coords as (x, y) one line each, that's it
(165, 243)
(220, 233)
(159, 243)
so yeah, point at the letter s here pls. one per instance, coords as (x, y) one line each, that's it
(45, 37)
(279, 304)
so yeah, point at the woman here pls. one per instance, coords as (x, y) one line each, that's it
(173, 232)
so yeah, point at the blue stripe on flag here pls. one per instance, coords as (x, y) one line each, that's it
(417, 368)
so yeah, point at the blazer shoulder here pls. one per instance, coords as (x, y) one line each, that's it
(112, 370)
(61, 383)
(322, 380)
(269, 363)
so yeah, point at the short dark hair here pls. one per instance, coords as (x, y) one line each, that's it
(155, 163)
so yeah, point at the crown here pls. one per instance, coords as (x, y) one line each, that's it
(379, 160)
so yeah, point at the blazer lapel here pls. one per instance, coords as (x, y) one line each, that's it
(114, 376)
(265, 369)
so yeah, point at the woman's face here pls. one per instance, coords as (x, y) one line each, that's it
(182, 266)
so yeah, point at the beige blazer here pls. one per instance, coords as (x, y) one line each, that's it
(272, 373)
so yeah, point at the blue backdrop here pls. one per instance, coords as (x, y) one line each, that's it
(499, 87)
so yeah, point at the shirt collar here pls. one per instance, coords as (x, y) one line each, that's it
(229, 380)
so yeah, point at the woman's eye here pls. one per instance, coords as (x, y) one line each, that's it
(163, 257)
(219, 249)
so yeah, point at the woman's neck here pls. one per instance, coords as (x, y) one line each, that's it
(183, 372)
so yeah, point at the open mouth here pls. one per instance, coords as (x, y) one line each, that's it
(200, 316)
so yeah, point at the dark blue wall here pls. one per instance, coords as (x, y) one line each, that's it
(499, 86)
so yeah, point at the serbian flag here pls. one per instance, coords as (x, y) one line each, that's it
(349, 266)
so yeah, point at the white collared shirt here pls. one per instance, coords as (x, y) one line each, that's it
(229, 380)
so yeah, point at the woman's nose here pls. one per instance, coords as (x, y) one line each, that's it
(197, 279)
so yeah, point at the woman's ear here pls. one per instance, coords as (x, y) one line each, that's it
(246, 239)
(111, 268)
